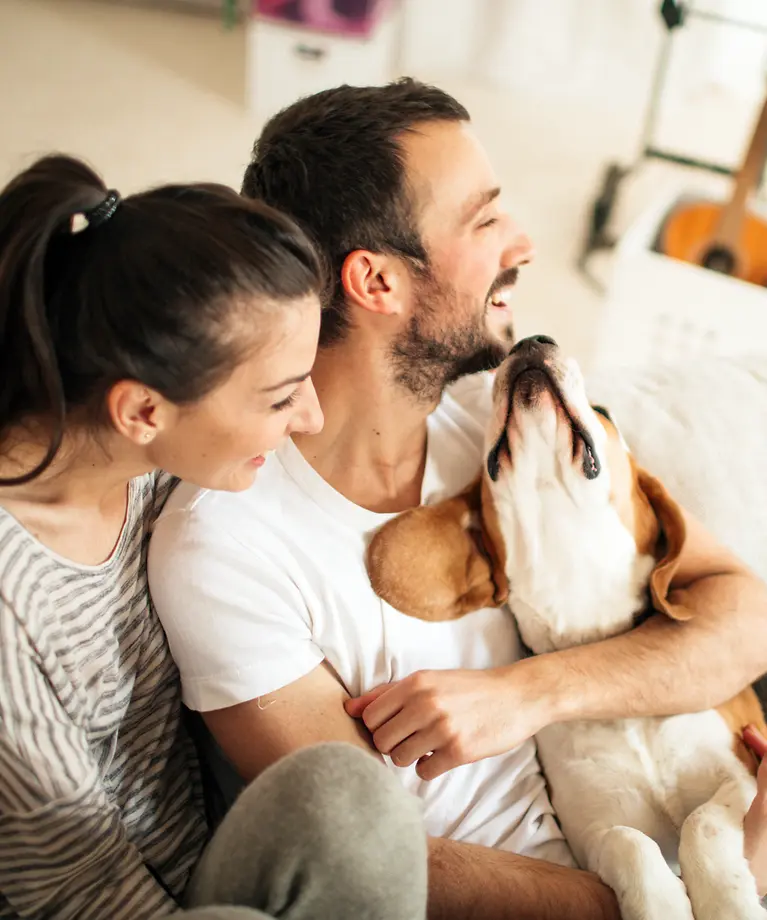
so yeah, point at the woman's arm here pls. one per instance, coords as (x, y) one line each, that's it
(64, 854)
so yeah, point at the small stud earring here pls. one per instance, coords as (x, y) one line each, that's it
(147, 435)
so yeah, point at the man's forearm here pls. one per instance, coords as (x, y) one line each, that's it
(664, 667)
(468, 882)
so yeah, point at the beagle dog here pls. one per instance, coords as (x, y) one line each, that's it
(582, 543)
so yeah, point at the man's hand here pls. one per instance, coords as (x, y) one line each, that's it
(755, 825)
(443, 719)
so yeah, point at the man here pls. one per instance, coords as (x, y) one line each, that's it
(403, 203)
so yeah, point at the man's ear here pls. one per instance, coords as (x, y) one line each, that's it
(661, 528)
(373, 281)
(431, 562)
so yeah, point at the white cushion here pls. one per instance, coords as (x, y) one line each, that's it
(701, 426)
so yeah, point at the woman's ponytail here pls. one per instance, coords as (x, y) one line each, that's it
(36, 214)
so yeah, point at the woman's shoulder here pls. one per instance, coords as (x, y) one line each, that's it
(23, 600)
(153, 491)
(32, 575)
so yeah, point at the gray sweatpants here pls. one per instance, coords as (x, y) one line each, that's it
(327, 832)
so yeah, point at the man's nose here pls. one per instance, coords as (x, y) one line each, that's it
(519, 251)
(310, 418)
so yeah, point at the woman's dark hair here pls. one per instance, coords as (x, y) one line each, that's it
(147, 295)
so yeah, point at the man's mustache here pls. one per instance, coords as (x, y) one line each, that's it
(507, 278)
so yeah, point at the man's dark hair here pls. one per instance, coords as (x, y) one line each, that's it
(333, 162)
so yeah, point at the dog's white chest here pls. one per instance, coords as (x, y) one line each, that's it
(573, 579)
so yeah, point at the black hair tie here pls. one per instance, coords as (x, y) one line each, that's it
(94, 217)
(102, 212)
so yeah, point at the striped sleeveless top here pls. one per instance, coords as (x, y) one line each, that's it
(100, 807)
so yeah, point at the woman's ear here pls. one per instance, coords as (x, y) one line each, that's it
(136, 412)
(432, 562)
(662, 517)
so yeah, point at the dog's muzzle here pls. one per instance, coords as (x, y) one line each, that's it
(529, 374)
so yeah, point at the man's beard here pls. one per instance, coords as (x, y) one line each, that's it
(428, 355)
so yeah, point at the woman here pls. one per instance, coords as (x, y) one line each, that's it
(174, 330)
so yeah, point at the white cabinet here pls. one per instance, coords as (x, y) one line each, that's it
(286, 62)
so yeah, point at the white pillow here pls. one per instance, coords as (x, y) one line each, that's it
(701, 427)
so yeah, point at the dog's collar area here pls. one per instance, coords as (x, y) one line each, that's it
(590, 464)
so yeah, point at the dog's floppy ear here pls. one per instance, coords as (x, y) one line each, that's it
(661, 532)
(494, 546)
(434, 562)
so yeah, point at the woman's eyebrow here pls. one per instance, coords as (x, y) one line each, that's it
(285, 383)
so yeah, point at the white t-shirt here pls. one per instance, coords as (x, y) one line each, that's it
(255, 589)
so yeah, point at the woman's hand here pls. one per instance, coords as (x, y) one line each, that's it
(443, 719)
(755, 824)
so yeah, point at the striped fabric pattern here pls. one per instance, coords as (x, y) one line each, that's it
(100, 805)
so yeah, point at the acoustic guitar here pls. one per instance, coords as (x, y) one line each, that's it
(726, 238)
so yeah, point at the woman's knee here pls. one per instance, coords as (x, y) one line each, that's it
(226, 912)
(337, 795)
(332, 816)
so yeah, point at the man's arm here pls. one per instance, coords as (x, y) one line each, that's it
(663, 667)
(259, 732)
(464, 880)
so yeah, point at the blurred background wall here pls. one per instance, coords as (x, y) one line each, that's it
(176, 89)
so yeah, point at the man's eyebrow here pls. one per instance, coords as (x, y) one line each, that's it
(478, 202)
(285, 383)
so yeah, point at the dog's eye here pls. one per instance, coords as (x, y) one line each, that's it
(603, 412)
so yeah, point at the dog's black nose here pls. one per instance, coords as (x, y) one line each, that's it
(531, 341)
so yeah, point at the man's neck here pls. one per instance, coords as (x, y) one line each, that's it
(373, 446)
